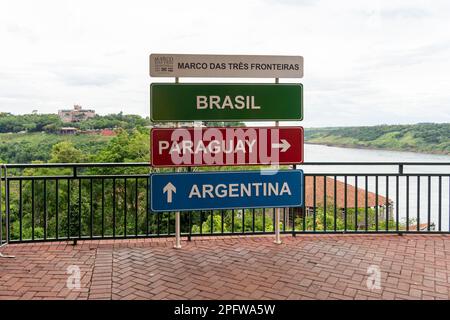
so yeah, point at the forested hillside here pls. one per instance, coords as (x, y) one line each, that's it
(422, 137)
(51, 122)
(25, 148)
(31, 137)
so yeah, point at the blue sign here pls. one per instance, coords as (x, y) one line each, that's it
(226, 190)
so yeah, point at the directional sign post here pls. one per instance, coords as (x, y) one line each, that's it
(226, 190)
(225, 102)
(218, 146)
(226, 146)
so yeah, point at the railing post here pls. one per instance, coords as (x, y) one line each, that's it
(1, 205)
(400, 172)
(7, 235)
(3, 168)
(177, 231)
(74, 168)
(294, 167)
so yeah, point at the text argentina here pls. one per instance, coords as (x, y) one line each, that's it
(236, 190)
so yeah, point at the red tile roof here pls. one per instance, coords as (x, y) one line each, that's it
(107, 132)
(340, 194)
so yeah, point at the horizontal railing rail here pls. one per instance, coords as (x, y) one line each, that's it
(72, 201)
(146, 164)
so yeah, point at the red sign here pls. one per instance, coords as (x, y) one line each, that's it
(226, 146)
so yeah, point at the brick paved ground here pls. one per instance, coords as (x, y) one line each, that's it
(304, 267)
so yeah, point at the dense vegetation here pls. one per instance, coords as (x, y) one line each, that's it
(25, 148)
(51, 122)
(119, 120)
(422, 137)
(27, 122)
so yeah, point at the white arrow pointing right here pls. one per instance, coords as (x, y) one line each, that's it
(284, 145)
(169, 189)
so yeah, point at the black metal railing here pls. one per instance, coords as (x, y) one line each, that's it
(48, 202)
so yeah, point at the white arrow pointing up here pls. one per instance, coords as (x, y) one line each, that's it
(284, 145)
(169, 188)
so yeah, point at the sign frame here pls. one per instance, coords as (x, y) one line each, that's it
(298, 205)
(224, 66)
(221, 86)
(301, 147)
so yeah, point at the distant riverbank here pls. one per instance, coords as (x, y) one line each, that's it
(430, 138)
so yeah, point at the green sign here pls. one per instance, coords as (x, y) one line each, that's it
(225, 102)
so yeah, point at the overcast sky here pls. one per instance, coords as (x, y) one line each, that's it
(366, 62)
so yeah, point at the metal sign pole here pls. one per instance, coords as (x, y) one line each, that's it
(277, 210)
(177, 213)
(177, 231)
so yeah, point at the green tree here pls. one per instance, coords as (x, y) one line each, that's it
(65, 152)
(127, 146)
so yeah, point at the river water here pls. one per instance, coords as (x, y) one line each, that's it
(315, 152)
(433, 201)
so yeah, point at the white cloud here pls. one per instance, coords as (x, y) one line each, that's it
(365, 62)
